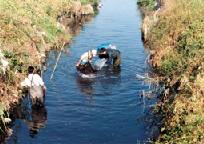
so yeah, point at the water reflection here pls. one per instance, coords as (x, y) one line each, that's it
(38, 120)
(108, 78)
(35, 117)
(74, 25)
(85, 85)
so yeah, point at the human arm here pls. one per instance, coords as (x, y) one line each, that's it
(78, 62)
(26, 83)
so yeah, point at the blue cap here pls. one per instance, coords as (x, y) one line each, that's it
(104, 45)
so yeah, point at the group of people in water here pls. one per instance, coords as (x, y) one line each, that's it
(107, 52)
(36, 87)
(104, 51)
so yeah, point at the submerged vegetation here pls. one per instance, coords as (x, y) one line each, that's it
(29, 28)
(176, 42)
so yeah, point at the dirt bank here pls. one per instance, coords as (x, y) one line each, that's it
(174, 34)
(29, 29)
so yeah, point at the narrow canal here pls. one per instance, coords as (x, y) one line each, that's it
(107, 109)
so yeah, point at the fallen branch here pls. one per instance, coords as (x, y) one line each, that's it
(57, 61)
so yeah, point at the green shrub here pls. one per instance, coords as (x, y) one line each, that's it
(14, 61)
(169, 65)
(50, 28)
(89, 1)
(191, 41)
(147, 3)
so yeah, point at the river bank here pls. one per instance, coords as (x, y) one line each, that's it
(174, 34)
(28, 31)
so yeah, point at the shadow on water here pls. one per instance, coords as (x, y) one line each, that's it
(73, 25)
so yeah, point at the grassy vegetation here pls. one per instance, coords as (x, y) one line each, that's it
(29, 28)
(150, 4)
(177, 40)
(180, 30)
(93, 2)
(31, 25)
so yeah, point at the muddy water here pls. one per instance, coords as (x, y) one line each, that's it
(107, 109)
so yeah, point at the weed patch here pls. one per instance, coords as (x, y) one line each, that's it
(178, 39)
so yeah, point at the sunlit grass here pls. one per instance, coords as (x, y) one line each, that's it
(180, 29)
(178, 41)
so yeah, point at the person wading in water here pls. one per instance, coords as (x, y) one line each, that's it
(36, 87)
(112, 56)
(84, 63)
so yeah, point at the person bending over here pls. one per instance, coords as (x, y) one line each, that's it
(84, 63)
(113, 56)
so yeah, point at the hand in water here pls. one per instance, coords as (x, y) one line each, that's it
(77, 64)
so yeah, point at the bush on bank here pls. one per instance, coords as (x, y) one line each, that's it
(150, 4)
(180, 32)
(177, 45)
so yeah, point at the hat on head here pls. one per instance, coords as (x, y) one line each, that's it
(104, 45)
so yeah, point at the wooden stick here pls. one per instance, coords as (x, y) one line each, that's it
(57, 61)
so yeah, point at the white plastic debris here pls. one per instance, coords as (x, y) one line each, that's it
(4, 62)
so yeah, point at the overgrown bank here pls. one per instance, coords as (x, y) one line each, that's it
(174, 33)
(28, 29)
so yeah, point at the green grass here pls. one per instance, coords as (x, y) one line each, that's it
(150, 4)
(89, 1)
(182, 31)
(168, 65)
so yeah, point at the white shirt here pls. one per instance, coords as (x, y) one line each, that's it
(33, 80)
(87, 55)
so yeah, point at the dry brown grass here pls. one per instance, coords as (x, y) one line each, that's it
(177, 45)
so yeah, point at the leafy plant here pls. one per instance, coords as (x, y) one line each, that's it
(14, 61)
(147, 3)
